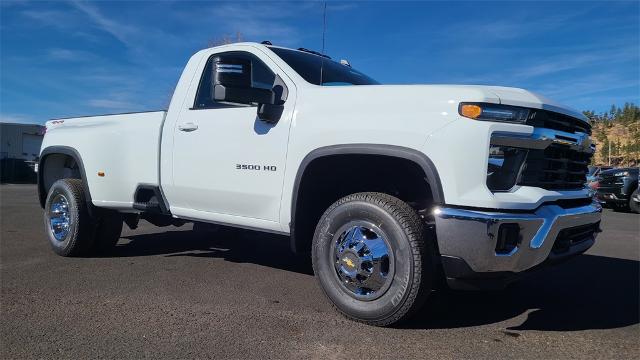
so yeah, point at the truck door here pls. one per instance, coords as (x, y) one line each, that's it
(228, 163)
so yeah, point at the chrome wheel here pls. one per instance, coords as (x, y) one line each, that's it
(59, 217)
(363, 262)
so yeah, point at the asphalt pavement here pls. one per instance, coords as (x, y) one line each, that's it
(173, 293)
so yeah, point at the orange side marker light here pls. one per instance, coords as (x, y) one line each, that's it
(471, 111)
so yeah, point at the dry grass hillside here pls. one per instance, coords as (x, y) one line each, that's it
(617, 131)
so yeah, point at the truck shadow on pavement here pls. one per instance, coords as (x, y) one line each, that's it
(587, 292)
(238, 246)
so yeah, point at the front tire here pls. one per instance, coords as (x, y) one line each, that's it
(371, 258)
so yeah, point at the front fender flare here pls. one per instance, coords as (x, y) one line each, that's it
(421, 159)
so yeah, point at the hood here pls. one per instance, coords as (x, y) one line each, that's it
(612, 172)
(457, 93)
(524, 98)
(520, 97)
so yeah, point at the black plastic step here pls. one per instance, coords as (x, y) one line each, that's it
(151, 205)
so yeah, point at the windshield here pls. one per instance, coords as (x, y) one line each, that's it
(333, 74)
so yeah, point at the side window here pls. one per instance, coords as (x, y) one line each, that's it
(261, 77)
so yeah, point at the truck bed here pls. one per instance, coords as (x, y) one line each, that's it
(124, 147)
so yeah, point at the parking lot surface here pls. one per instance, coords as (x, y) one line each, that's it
(169, 292)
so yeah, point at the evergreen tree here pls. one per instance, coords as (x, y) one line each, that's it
(620, 127)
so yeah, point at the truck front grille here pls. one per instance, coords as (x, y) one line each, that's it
(609, 179)
(558, 167)
(556, 121)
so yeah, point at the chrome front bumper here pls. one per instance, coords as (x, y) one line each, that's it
(472, 235)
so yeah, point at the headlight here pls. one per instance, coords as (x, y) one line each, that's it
(494, 112)
(622, 173)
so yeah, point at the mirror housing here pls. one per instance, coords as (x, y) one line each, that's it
(270, 113)
(232, 83)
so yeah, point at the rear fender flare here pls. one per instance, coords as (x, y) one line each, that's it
(68, 151)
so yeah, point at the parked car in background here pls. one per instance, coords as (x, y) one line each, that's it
(634, 203)
(17, 171)
(616, 186)
(594, 171)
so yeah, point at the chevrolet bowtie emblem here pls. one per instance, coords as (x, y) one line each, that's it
(348, 261)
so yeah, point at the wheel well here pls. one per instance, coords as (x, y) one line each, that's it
(329, 178)
(53, 167)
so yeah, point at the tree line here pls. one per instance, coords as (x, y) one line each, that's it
(617, 135)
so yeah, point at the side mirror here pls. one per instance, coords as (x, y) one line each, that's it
(232, 83)
(271, 113)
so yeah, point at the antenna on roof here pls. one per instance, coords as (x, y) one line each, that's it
(324, 29)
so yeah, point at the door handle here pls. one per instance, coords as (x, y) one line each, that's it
(188, 127)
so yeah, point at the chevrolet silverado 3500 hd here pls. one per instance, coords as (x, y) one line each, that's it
(390, 188)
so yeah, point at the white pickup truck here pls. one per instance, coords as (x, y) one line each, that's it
(390, 188)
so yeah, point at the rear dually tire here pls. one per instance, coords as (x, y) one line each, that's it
(66, 219)
(70, 227)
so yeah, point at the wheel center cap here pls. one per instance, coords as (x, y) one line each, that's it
(349, 261)
(362, 264)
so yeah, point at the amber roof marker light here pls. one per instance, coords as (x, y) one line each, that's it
(471, 111)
